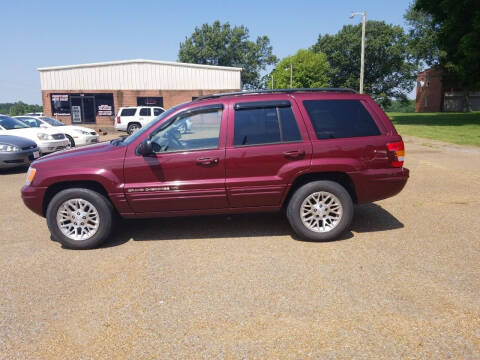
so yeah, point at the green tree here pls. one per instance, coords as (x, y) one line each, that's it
(423, 34)
(18, 109)
(389, 68)
(223, 45)
(310, 70)
(458, 24)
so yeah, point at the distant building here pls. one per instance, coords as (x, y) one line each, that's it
(96, 91)
(434, 95)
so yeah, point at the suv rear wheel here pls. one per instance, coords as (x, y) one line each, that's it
(80, 218)
(133, 127)
(320, 210)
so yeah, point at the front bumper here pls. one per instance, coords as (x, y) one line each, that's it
(377, 184)
(49, 146)
(33, 198)
(17, 159)
(86, 140)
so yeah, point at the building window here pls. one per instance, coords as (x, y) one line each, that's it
(104, 104)
(60, 104)
(426, 101)
(150, 101)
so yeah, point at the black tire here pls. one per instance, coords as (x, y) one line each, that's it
(72, 142)
(101, 204)
(132, 127)
(295, 203)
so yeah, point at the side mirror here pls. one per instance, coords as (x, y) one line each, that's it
(145, 148)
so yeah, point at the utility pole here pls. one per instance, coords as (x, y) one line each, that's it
(362, 55)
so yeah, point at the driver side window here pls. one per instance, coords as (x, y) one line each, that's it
(192, 131)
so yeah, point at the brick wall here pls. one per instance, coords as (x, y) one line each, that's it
(126, 98)
(429, 91)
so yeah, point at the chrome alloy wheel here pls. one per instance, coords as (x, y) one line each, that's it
(78, 219)
(321, 211)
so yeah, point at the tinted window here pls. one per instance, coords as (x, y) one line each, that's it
(265, 126)
(194, 131)
(157, 111)
(128, 112)
(333, 119)
(145, 112)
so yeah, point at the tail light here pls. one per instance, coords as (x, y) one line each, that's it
(118, 119)
(397, 153)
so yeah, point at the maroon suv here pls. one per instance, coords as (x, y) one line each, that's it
(313, 153)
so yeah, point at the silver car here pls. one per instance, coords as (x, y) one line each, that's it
(17, 151)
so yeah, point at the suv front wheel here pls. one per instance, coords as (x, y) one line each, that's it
(79, 218)
(320, 210)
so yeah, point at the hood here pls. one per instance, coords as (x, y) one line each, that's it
(30, 133)
(89, 152)
(16, 141)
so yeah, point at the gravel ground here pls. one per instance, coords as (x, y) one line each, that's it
(404, 284)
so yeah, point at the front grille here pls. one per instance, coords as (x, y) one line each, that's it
(58, 136)
(29, 147)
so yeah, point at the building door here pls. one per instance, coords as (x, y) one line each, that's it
(83, 109)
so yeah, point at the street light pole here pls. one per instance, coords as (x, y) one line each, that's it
(362, 55)
(291, 75)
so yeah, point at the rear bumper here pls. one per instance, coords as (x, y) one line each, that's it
(33, 198)
(377, 184)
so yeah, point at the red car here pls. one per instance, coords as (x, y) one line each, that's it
(312, 152)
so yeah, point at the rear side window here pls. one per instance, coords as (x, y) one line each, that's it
(334, 119)
(128, 112)
(157, 111)
(268, 125)
(145, 112)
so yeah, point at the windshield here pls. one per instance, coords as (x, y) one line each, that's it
(152, 123)
(30, 122)
(51, 121)
(9, 123)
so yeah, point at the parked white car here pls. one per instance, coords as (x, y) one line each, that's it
(48, 140)
(131, 119)
(77, 135)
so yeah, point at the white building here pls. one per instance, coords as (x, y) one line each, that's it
(101, 88)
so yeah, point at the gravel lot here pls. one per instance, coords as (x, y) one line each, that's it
(405, 283)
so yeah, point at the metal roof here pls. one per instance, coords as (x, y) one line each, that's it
(139, 61)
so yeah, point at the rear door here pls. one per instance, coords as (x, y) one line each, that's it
(268, 146)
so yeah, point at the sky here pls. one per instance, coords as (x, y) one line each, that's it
(49, 33)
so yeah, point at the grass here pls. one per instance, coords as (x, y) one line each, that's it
(456, 128)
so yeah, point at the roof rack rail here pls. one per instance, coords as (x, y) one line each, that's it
(274, 91)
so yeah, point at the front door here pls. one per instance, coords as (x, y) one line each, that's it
(83, 109)
(187, 169)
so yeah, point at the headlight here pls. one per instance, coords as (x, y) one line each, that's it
(8, 148)
(83, 132)
(43, 136)
(30, 175)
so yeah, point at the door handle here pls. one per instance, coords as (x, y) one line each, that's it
(207, 161)
(294, 154)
